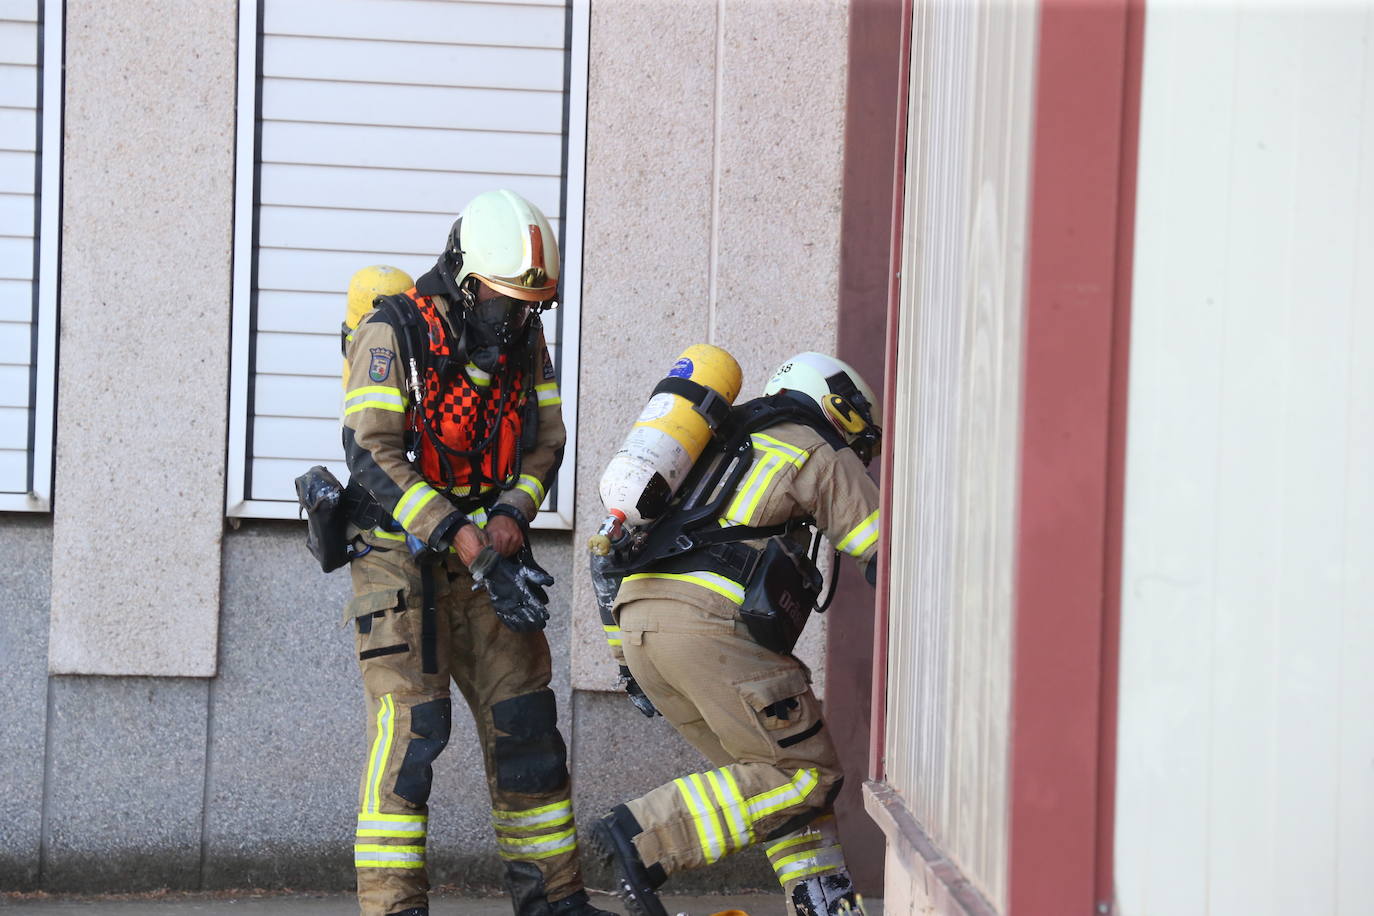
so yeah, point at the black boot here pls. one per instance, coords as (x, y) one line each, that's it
(525, 884)
(613, 839)
(826, 895)
(577, 905)
(414, 911)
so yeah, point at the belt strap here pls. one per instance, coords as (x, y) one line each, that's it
(366, 512)
(734, 561)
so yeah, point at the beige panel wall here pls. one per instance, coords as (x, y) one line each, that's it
(1247, 639)
(955, 433)
(148, 187)
(714, 157)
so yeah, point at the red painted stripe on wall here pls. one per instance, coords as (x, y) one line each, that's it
(1068, 538)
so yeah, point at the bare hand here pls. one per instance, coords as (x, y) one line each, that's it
(469, 542)
(505, 535)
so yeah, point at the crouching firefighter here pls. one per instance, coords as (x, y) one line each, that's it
(452, 430)
(711, 598)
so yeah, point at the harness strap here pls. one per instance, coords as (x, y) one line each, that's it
(734, 561)
(713, 408)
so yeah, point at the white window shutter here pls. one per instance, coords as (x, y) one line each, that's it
(374, 122)
(27, 255)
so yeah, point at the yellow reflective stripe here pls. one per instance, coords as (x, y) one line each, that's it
(717, 583)
(381, 392)
(479, 378)
(391, 825)
(711, 818)
(809, 863)
(388, 535)
(373, 389)
(793, 454)
(703, 816)
(747, 498)
(548, 394)
(775, 800)
(374, 855)
(533, 486)
(537, 847)
(381, 397)
(414, 499)
(381, 751)
(377, 405)
(614, 635)
(861, 537)
(478, 517)
(731, 806)
(556, 813)
(805, 837)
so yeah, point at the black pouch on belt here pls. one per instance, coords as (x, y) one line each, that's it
(781, 595)
(321, 496)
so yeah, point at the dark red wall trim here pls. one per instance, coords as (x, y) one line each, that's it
(1068, 537)
(877, 769)
(870, 112)
(1116, 451)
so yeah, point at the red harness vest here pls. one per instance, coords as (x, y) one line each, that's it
(469, 415)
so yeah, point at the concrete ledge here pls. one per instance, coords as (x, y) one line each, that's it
(937, 882)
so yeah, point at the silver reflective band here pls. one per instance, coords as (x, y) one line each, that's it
(810, 864)
(557, 813)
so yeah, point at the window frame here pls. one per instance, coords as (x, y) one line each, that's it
(557, 512)
(47, 252)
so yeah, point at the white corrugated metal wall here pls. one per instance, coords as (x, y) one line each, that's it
(1246, 755)
(953, 482)
(26, 320)
(379, 120)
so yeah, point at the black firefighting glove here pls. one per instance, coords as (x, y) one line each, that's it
(516, 586)
(637, 694)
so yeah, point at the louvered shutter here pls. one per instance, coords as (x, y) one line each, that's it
(377, 120)
(26, 304)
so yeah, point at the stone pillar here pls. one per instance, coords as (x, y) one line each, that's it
(148, 180)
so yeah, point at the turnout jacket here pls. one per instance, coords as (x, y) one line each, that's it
(795, 474)
(376, 423)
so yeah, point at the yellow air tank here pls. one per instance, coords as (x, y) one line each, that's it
(367, 284)
(667, 439)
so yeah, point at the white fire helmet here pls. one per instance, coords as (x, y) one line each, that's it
(838, 392)
(507, 243)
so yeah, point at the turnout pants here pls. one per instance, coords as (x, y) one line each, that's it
(752, 713)
(417, 628)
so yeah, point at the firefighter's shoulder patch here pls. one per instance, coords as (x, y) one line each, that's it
(380, 368)
(548, 366)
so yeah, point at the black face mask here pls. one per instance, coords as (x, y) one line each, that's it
(503, 318)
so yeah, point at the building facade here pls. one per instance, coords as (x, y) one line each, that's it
(186, 191)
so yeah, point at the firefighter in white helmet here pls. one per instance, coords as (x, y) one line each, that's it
(712, 597)
(453, 433)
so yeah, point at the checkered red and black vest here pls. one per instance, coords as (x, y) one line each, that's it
(469, 414)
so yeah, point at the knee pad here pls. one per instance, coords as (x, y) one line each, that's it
(429, 728)
(530, 757)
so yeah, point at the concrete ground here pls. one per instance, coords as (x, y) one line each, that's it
(267, 904)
